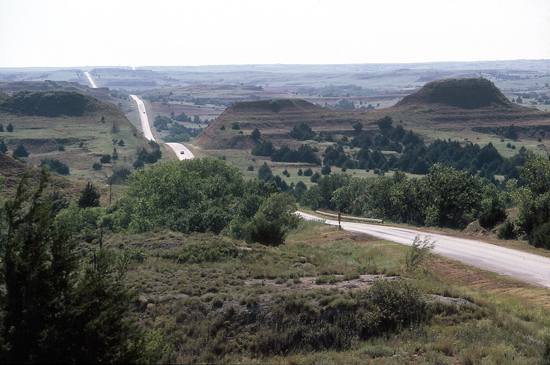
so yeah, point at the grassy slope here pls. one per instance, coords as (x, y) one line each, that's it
(85, 138)
(215, 311)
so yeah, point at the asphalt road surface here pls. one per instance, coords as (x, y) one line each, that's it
(143, 117)
(181, 151)
(94, 86)
(526, 267)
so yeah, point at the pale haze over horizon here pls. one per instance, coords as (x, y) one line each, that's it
(67, 33)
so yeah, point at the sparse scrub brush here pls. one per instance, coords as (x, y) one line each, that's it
(419, 251)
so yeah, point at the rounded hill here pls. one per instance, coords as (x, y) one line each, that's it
(48, 103)
(467, 93)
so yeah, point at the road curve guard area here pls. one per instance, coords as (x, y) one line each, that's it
(371, 220)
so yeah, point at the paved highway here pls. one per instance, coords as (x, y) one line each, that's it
(526, 267)
(94, 86)
(181, 151)
(143, 117)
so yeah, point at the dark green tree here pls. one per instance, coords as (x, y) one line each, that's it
(89, 197)
(50, 313)
(38, 271)
(9, 128)
(20, 151)
(256, 134)
(274, 218)
(3, 147)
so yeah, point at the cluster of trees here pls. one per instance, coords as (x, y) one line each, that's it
(179, 133)
(55, 165)
(145, 156)
(302, 132)
(182, 117)
(9, 128)
(304, 154)
(416, 157)
(533, 199)
(45, 103)
(203, 195)
(444, 197)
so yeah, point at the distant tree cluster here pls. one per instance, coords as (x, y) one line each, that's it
(303, 154)
(145, 156)
(45, 103)
(416, 157)
(179, 133)
(302, 132)
(55, 165)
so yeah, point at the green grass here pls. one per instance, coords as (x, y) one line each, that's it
(234, 302)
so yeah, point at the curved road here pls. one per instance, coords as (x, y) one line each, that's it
(182, 152)
(526, 267)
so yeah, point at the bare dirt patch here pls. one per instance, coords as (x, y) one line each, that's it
(475, 279)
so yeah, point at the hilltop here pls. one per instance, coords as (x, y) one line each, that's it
(473, 104)
(49, 85)
(467, 93)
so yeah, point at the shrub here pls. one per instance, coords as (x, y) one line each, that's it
(105, 159)
(507, 231)
(20, 151)
(97, 166)
(316, 176)
(55, 165)
(3, 147)
(418, 252)
(308, 172)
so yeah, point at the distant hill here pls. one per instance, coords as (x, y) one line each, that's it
(470, 93)
(473, 103)
(49, 85)
(74, 128)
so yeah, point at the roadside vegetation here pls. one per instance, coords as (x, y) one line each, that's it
(243, 280)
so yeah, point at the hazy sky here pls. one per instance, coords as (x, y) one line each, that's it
(61, 33)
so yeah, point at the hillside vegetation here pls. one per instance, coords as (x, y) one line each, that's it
(69, 128)
(460, 103)
(147, 280)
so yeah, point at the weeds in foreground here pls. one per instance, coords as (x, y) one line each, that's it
(418, 252)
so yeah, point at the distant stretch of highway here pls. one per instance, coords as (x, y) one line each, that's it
(526, 267)
(143, 117)
(182, 152)
(94, 86)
